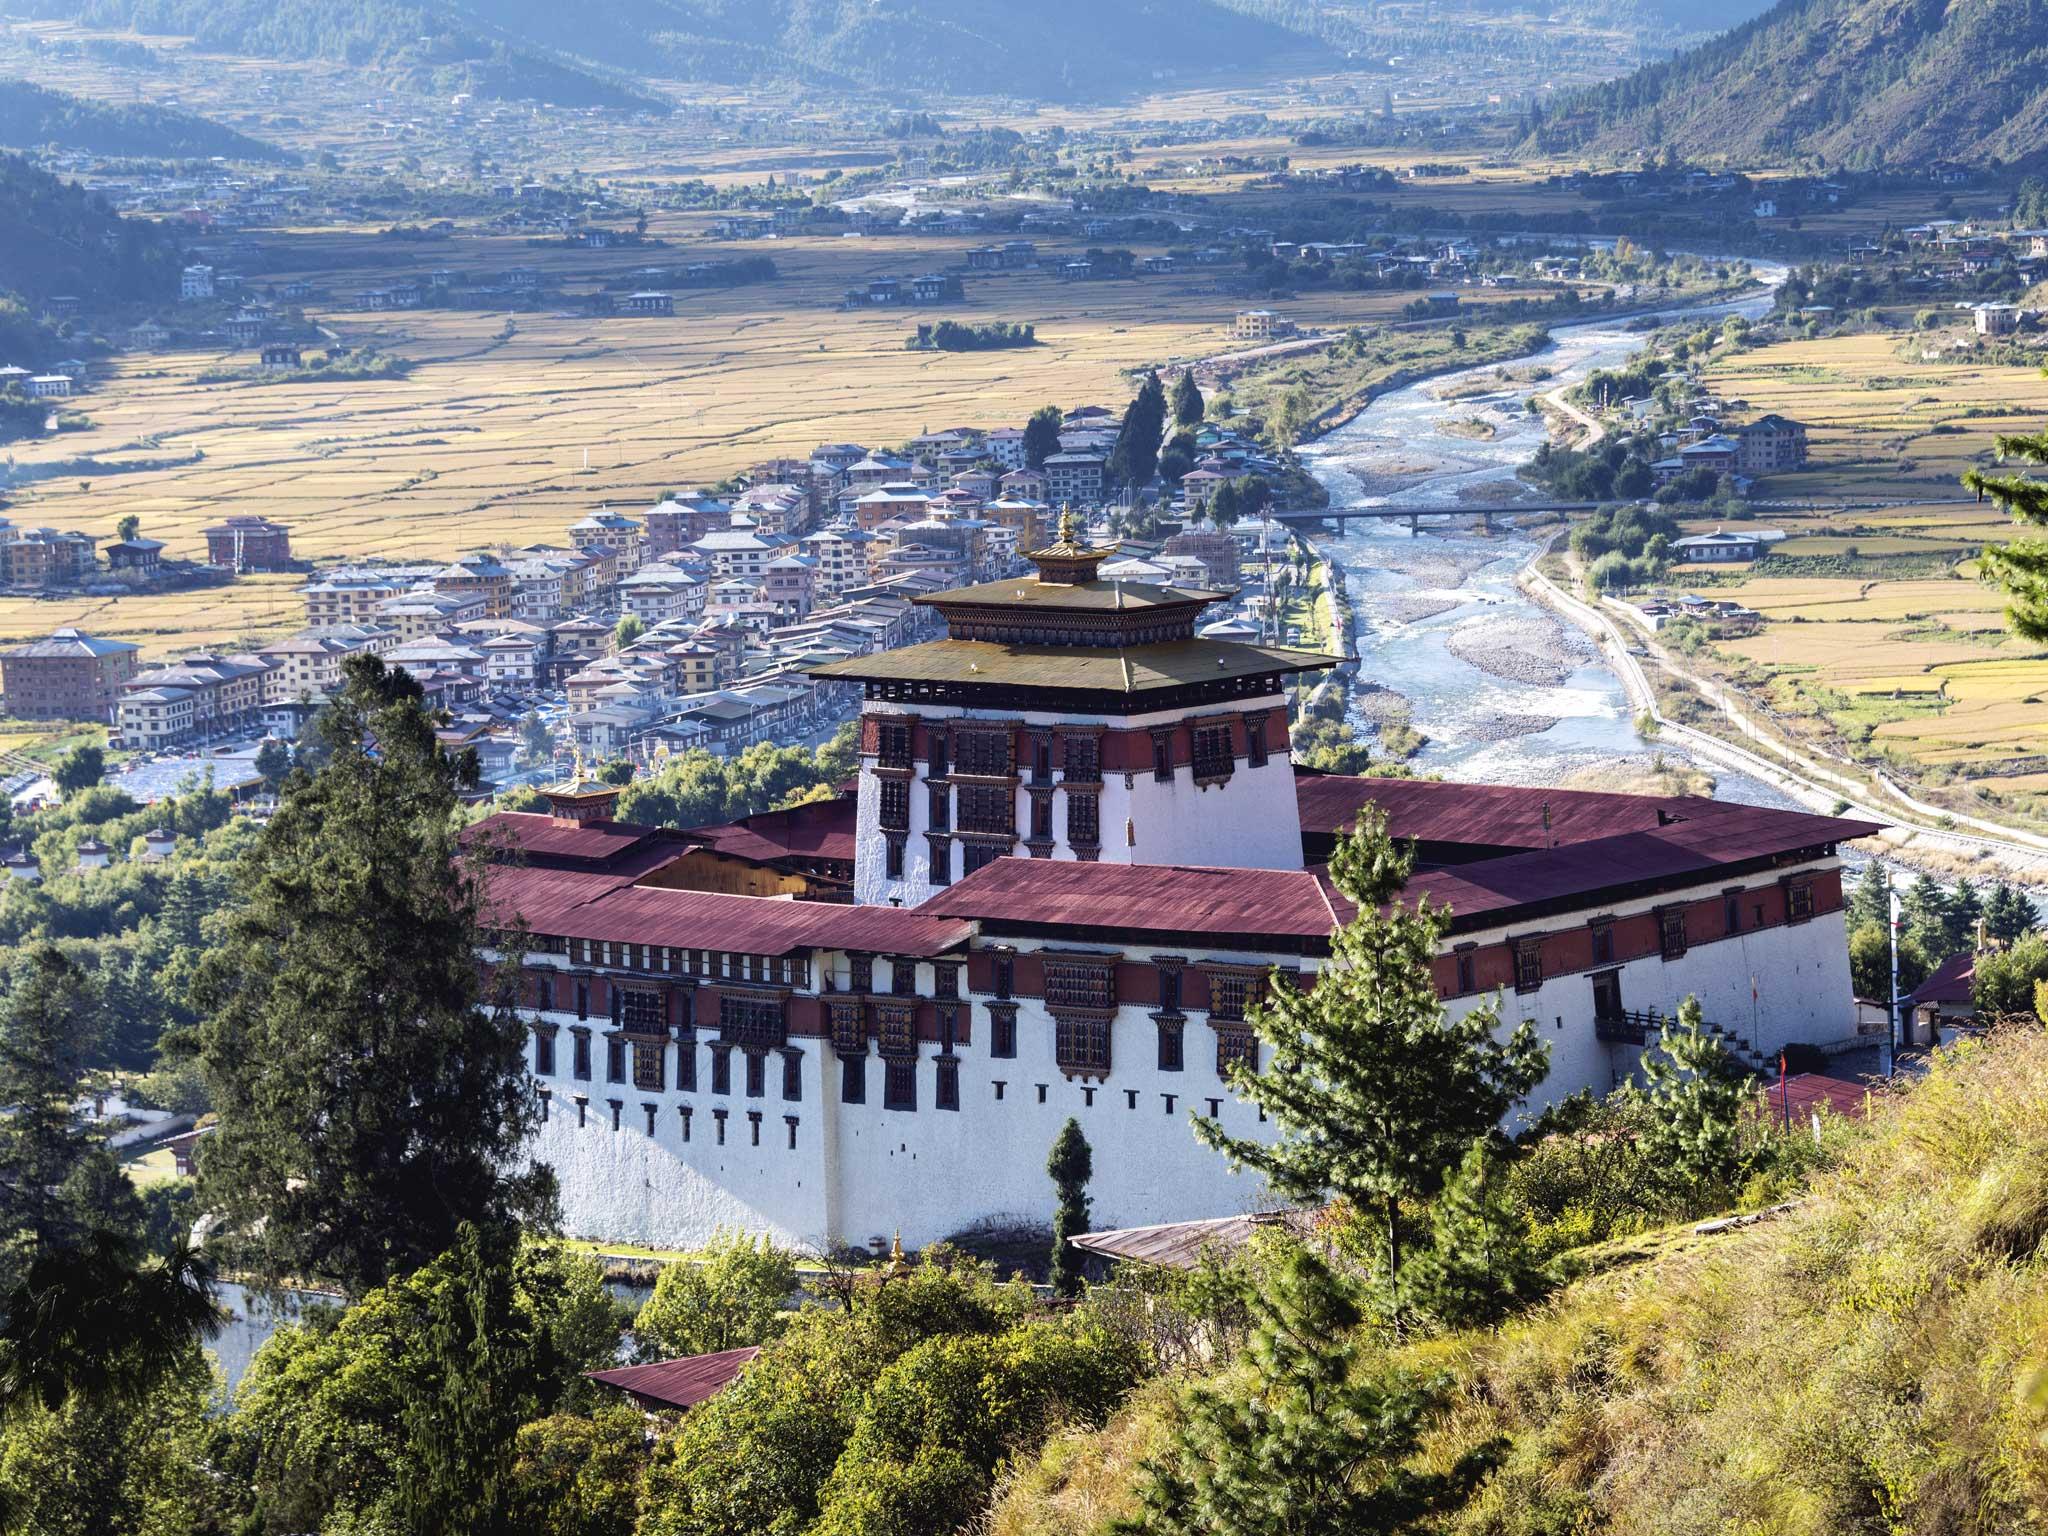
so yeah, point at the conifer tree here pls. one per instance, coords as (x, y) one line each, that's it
(1042, 435)
(2009, 913)
(1479, 1265)
(1960, 914)
(1871, 901)
(1188, 405)
(1375, 1091)
(1696, 1091)
(369, 1080)
(1136, 453)
(1313, 1444)
(2020, 566)
(1071, 1165)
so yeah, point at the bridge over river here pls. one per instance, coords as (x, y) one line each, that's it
(1414, 512)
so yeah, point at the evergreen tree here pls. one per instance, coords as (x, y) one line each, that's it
(1188, 405)
(2020, 566)
(1959, 917)
(1696, 1091)
(1042, 435)
(1479, 1265)
(1924, 917)
(1136, 453)
(1071, 1165)
(369, 1079)
(1312, 1443)
(2009, 913)
(273, 761)
(1871, 901)
(49, 1030)
(79, 769)
(1223, 507)
(1374, 1090)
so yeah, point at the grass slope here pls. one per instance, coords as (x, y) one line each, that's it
(1874, 1361)
(1861, 82)
(31, 116)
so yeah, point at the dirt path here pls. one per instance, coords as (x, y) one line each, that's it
(1592, 431)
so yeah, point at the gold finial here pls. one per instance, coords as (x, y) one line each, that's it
(1068, 534)
(576, 759)
(898, 1265)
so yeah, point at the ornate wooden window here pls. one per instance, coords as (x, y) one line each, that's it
(1171, 1050)
(945, 978)
(686, 1061)
(1236, 1046)
(892, 744)
(1671, 932)
(1084, 820)
(793, 1075)
(1083, 763)
(892, 858)
(1041, 757)
(853, 1079)
(903, 978)
(1798, 900)
(757, 1023)
(1002, 1030)
(1041, 816)
(935, 753)
(1214, 757)
(1081, 1043)
(946, 1093)
(899, 1083)
(1080, 981)
(1468, 980)
(1232, 993)
(988, 808)
(544, 1052)
(1162, 756)
(985, 753)
(939, 808)
(1170, 976)
(940, 847)
(976, 855)
(757, 1073)
(580, 1055)
(1255, 741)
(895, 805)
(1602, 933)
(721, 1067)
(644, 1011)
(849, 1026)
(1528, 964)
(614, 1059)
(896, 1028)
(1005, 969)
(648, 1065)
(862, 969)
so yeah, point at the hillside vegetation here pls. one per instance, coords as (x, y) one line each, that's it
(584, 54)
(1873, 1360)
(31, 116)
(62, 239)
(1859, 82)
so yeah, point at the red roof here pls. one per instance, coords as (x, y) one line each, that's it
(680, 1383)
(1809, 1091)
(537, 837)
(821, 830)
(1489, 815)
(575, 904)
(1162, 898)
(1953, 981)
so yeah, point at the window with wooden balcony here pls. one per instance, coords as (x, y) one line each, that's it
(1528, 964)
(758, 1023)
(1084, 820)
(1214, 757)
(1671, 932)
(847, 1022)
(896, 1028)
(649, 1060)
(643, 1011)
(988, 808)
(895, 805)
(1236, 1047)
(1233, 994)
(1081, 1043)
(983, 753)
(1072, 982)
(1083, 760)
(892, 744)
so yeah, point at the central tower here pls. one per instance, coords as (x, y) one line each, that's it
(1068, 717)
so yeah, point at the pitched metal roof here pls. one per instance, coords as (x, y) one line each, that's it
(1087, 669)
(682, 1383)
(1146, 898)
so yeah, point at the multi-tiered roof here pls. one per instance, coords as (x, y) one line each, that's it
(1103, 647)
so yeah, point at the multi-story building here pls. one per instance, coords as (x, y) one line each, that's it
(740, 553)
(35, 559)
(1260, 325)
(244, 543)
(482, 574)
(71, 675)
(674, 524)
(1073, 477)
(308, 666)
(419, 615)
(839, 554)
(224, 693)
(789, 586)
(350, 595)
(774, 1063)
(610, 531)
(1770, 444)
(660, 594)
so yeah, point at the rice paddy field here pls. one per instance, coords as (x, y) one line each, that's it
(1893, 645)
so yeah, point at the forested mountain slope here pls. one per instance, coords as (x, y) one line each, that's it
(591, 52)
(56, 238)
(31, 116)
(1859, 82)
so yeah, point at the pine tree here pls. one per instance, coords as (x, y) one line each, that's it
(1871, 902)
(2020, 566)
(371, 1092)
(1924, 916)
(1959, 918)
(1376, 1093)
(2009, 913)
(1136, 453)
(1042, 435)
(1188, 405)
(1071, 1165)
(50, 1028)
(1312, 1444)
(1479, 1265)
(1696, 1092)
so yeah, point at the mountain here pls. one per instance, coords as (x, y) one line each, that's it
(601, 52)
(1864, 83)
(31, 116)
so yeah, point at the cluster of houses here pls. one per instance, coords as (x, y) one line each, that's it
(59, 560)
(1772, 444)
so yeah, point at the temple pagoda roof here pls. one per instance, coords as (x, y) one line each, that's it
(1123, 671)
(1095, 596)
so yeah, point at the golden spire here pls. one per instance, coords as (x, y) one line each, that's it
(1069, 531)
(898, 1265)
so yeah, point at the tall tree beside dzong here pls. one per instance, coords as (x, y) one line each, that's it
(1376, 1092)
(2020, 566)
(1136, 454)
(369, 1076)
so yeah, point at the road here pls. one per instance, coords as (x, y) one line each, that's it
(1909, 824)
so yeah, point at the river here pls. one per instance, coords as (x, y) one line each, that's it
(1481, 726)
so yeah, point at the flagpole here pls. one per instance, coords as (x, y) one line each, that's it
(1889, 1065)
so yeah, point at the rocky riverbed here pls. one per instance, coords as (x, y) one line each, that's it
(1535, 649)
